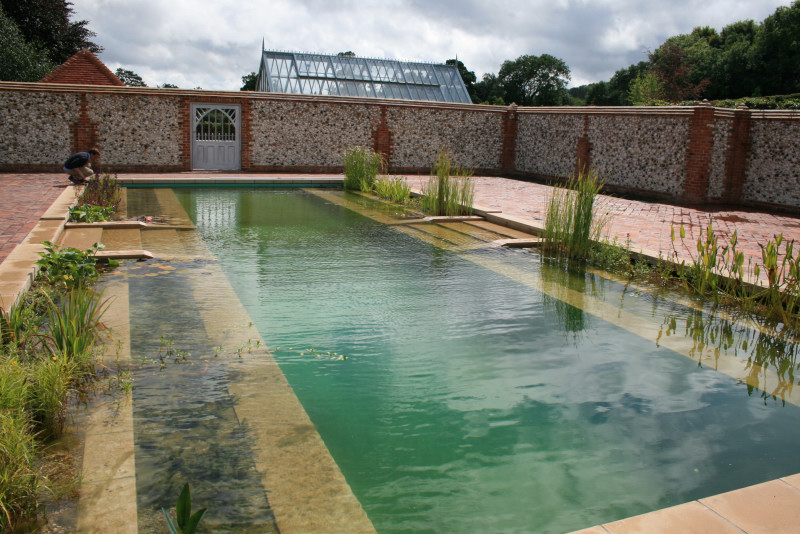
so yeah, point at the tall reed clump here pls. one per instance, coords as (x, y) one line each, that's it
(450, 190)
(571, 224)
(361, 168)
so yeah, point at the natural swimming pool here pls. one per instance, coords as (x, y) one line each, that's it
(459, 386)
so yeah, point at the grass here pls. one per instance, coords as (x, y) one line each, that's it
(361, 168)
(571, 225)
(450, 190)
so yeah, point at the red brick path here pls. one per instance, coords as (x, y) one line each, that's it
(23, 200)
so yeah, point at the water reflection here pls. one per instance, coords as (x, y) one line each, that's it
(764, 346)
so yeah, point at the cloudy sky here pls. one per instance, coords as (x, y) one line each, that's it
(212, 43)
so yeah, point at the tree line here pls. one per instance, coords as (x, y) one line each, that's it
(745, 59)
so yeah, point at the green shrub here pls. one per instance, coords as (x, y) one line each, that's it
(450, 190)
(570, 223)
(361, 168)
(50, 381)
(19, 477)
(394, 189)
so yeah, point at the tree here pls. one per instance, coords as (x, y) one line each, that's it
(349, 53)
(467, 76)
(167, 86)
(777, 48)
(672, 68)
(535, 81)
(489, 91)
(45, 24)
(249, 82)
(644, 90)
(130, 78)
(20, 61)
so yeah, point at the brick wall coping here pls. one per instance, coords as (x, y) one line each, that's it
(201, 94)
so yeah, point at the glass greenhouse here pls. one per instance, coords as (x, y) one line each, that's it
(320, 74)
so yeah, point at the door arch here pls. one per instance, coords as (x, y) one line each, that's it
(216, 137)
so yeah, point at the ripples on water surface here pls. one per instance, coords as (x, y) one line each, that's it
(470, 402)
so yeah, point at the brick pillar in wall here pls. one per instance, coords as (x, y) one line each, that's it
(698, 162)
(185, 134)
(382, 139)
(736, 155)
(583, 161)
(508, 152)
(246, 134)
(83, 132)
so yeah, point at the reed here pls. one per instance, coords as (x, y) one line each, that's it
(361, 168)
(571, 225)
(394, 189)
(450, 190)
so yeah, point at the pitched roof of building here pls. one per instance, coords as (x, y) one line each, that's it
(322, 74)
(82, 68)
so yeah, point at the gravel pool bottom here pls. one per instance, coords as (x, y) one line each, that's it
(457, 399)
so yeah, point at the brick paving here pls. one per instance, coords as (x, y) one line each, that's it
(23, 200)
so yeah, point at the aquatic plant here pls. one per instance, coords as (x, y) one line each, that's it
(450, 190)
(20, 479)
(69, 266)
(361, 168)
(74, 325)
(88, 213)
(395, 189)
(103, 191)
(571, 224)
(186, 522)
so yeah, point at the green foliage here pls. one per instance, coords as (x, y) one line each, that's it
(186, 522)
(20, 61)
(19, 477)
(361, 168)
(249, 82)
(46, 25)
(129, 78)
(87, 213)
(489, 91)
(103, 190)
(68, 267)
(394, 189)
(570, 223)
(450, 190)
(74, 326)
(535, 80)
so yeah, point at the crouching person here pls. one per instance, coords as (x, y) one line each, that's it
(79, 166)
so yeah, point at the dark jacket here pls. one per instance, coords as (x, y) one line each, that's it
(77, 160)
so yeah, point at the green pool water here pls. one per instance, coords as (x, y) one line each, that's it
(457, 398)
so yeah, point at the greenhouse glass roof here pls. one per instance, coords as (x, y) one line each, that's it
(319, 74)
